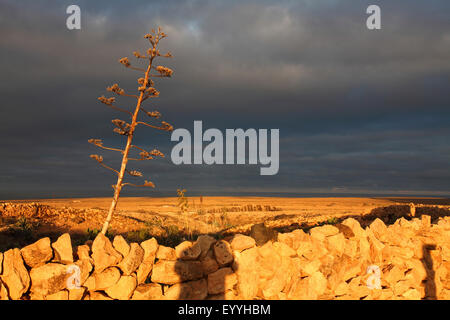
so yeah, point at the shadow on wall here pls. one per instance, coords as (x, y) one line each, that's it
(429, 282)
(219, 268)
(203, 270)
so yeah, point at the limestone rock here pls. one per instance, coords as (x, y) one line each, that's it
(298, 236)
(401, 287)
(83, 252)
(77, 294)
(417, 272)
(283, 276)
(364, 246)
(15, 276)
(148, 291)
(3, 291)
(107, 278)
(305, 248)
(223, 253)
(171, 272)
(286, 238)
(262, 234)
(354, 226)
(378, 228)
(38, 253)
(345, 230)
(63, 249)
(121, 245)
(393, 275)
(311, 267)
(299, 290)
(222, 280)
(336, 243)
(90, 283)
(317, 283)
(319, 249)
(192, 290)
(123, 289)
(376, 248)
(205, 242)
(322, 232)
(49, 278)
(95, 295)
(60, 295)
(426, 221)
(412, 294)
(341, 289)
(188, 250)
(150, 247)
(104, 254)
(390, 252)
(269, 260)
(284, 250)
(132, 261)
(166, 253)
(241, 242)
(209, 264)
(247, 269)
(351, 248)
(86, 267)
(359, 291)
(143, 271)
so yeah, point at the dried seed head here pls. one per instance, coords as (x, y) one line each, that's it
(164, 71)
(154, 114)
(96, 157)
(121, 132)
(96, 142)
(138, 55)
(118, 122)
(135, 173)
(141, 81)
(145, 155)
(116, 89)
(166, 126)
(152, 91)
(108, 101)
(149, 184)
(157, 153)
(125, 62)
(151, 52)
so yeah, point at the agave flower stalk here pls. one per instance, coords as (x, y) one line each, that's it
(146, 90)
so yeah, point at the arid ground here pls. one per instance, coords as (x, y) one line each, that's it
(22, 221)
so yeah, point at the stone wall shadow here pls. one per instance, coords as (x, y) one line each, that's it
(429, 283)
(199, 282)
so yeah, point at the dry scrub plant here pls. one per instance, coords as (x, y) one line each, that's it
(183, 205)
(145, 91)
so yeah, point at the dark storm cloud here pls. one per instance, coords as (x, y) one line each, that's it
(358, 110)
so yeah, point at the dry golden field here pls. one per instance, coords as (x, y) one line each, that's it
(138, 218)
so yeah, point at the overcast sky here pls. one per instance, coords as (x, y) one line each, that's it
(359, 111)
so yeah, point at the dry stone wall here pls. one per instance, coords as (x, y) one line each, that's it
(407, 260)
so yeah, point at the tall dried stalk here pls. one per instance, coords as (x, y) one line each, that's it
(183, 204)
(146, 91)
